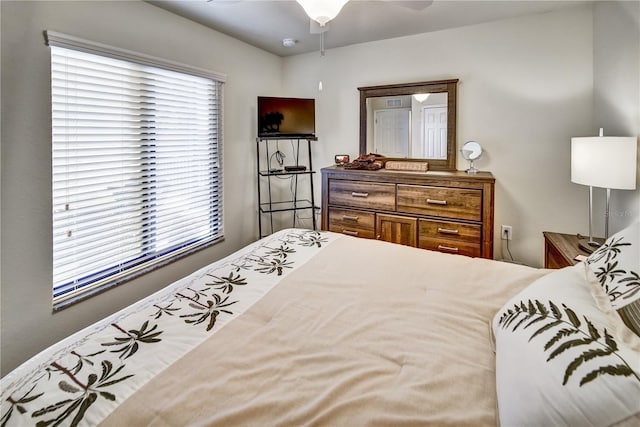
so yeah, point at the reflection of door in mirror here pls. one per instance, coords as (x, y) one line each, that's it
(434, 134)
(408, 126)
(391, 132)
(430, 127)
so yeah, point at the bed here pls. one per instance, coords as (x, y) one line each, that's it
(317, 328)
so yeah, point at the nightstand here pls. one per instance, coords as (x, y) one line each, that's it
(560, 249)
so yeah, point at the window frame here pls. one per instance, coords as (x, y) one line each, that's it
(174, 253)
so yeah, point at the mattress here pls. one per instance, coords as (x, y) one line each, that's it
(299, 328)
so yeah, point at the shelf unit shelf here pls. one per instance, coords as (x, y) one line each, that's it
(284, 173)
(269, 207)
(286, 205)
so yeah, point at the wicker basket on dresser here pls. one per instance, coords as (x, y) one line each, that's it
(444, 211)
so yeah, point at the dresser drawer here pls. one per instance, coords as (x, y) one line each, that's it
(352, 222)
(362, 194)
(450, 230)
(396, 229)
(450, 246)
(460, 203)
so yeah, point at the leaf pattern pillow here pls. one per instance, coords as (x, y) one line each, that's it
(563, 360)
(616, 264)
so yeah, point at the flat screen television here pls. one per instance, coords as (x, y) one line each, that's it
(286, 117)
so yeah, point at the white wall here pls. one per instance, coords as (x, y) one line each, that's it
(526, 87)
(28, 324)
(617, 95)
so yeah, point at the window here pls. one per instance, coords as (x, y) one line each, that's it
(137, 174)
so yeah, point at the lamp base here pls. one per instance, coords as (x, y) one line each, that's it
(588, 245)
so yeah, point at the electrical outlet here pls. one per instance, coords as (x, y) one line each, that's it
(506, 233)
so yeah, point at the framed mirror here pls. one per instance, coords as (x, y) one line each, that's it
(411, 121)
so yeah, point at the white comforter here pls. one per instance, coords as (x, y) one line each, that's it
(301, 328)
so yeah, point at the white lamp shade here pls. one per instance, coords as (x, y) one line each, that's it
(322, 11)
(604, 161)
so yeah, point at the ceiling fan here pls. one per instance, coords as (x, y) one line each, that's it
(323, 11)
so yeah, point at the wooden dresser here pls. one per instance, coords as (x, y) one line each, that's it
(444, 211)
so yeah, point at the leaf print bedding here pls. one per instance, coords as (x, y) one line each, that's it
(308, 328)
(80, 380)
(616, 264)
(586, 362)
(365, 333)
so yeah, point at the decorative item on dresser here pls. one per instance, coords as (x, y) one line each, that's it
(407, 165)
(561, 250)
(471, 151)
(341, 159)
(448, 211)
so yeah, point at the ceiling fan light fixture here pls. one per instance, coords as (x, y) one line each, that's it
(322, 11)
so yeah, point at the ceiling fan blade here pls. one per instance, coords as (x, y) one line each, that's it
(412, 4)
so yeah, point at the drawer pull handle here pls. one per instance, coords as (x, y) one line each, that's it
(350, 233)
(447, 231)
(350, 217)
(356, 194)
(436, 202)
(447, 248)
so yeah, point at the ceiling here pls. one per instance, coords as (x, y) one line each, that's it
(265, 23)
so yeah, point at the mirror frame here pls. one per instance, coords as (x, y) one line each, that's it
(450, 87)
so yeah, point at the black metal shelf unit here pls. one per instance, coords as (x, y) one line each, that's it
(265, 176)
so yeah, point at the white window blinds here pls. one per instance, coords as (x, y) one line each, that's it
(137, 174)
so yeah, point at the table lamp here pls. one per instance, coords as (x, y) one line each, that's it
(607, 162)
